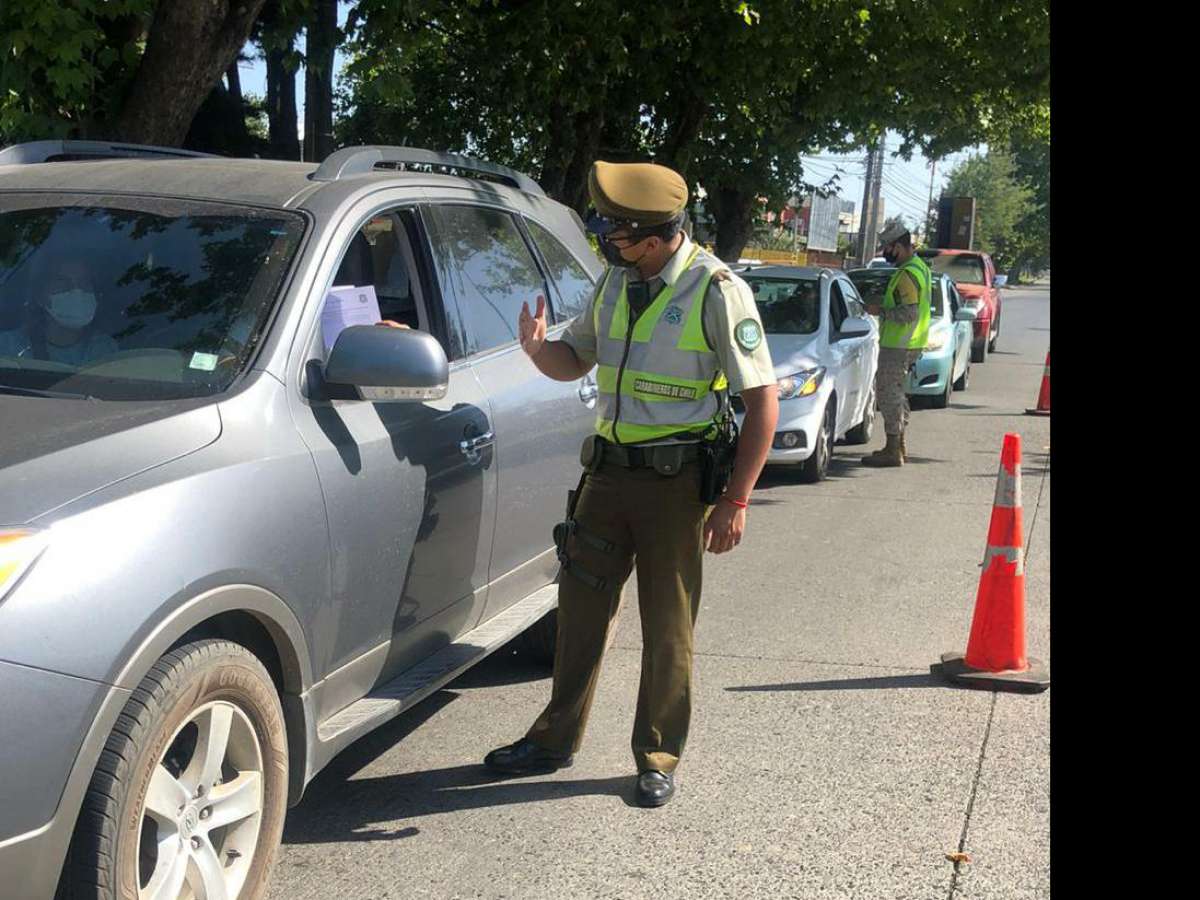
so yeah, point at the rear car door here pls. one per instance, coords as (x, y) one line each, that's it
(868, 350)
(845, 355)
(962, 330)
(484, 261)
(411, 515)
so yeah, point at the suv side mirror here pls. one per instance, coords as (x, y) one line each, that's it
(387, 364)
(1000, 281)
(854, 327)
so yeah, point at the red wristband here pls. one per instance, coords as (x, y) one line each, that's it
(740, 504)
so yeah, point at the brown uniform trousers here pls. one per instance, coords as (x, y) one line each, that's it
(660, 520)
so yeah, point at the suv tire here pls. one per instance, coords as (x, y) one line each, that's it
(191, 785)
(979, 351)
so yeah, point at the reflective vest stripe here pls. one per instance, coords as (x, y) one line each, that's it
(908, 335)
(667, 373)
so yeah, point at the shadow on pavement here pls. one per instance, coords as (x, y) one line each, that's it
(511, 664)
(374, 809)
(881, 683)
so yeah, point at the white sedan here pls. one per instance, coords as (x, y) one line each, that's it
(825, 348)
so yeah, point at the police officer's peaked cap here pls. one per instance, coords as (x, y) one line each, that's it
(892, 235)
(640, 194)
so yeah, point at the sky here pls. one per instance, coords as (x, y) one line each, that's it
(905, 183)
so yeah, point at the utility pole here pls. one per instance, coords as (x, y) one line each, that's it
(929, 206)
(868, 229)
(864, 219)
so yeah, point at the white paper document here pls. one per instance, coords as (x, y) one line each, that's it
(345, 306)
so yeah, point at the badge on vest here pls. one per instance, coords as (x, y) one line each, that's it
(748, 334)
(673, 314)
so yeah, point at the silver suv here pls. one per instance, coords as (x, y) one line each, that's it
(240, 524)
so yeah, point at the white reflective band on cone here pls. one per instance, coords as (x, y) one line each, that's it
(1008, 554)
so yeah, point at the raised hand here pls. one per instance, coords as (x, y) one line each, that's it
(533, 328)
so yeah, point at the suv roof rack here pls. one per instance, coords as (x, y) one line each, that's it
(359, 160)
(56, 151)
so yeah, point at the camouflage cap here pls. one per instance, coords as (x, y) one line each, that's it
(642, 194)
(892, 235)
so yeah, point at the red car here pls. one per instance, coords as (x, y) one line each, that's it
(974, 274)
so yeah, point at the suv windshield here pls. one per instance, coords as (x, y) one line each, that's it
(872, 284)
(135, 299)
(787, 305)
(960, 267)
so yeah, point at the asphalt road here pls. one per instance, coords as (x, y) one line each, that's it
(824, 760)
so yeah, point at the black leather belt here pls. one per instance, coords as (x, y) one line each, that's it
(642, 457)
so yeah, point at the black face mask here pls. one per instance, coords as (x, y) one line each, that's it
(890, 255)
(612, 254)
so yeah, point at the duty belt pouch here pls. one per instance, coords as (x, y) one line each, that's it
(668, 459)
(591, 452)
(716, 466)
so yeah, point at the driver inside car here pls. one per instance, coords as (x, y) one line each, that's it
(62, 313)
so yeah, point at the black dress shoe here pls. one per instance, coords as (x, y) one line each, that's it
(655, 788)
(526, 757)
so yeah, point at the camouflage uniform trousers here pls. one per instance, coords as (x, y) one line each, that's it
(890, 380)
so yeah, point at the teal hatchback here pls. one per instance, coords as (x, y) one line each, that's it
(945, 364)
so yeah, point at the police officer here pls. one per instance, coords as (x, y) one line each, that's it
(672, 331)
(902, 335)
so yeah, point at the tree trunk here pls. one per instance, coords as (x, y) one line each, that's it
(320, 45)
(191, 43)
(676, 151)
(588, 127)
(733, 211)
(281, 105)
(241, 135)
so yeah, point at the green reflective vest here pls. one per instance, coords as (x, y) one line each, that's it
(908, 335)
(656, 376)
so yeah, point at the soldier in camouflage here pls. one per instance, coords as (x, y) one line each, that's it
(904, 329)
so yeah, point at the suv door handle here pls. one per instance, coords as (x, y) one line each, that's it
(471, 446)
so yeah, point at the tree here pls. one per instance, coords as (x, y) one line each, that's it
(1000, 202)
(321, 43)
(190, 44)
(130, 70)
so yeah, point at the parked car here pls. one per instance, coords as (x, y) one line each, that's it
(945, 363)
(974, 275)
(239, 532)
(826, 349)
(879, 263)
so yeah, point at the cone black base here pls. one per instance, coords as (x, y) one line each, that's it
(954, 668)
(1037, 412)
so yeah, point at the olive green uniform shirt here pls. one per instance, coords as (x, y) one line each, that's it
(728, 303)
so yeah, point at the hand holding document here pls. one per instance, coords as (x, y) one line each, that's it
(347, 305)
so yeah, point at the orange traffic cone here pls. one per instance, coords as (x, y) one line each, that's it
(1043, 406)
(995, 657)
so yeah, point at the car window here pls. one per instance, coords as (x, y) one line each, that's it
(573, 287)
(854, 304)
(786, 305)
(484, 262)
(935, 297)
(136, 298)
(871, 283)
(837, 306)
(963, 268)
(952, 292)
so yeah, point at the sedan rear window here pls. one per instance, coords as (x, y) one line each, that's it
(787, 305)
(960, 267)
(135, 299)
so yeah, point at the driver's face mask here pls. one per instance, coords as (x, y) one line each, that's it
(74, 309)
